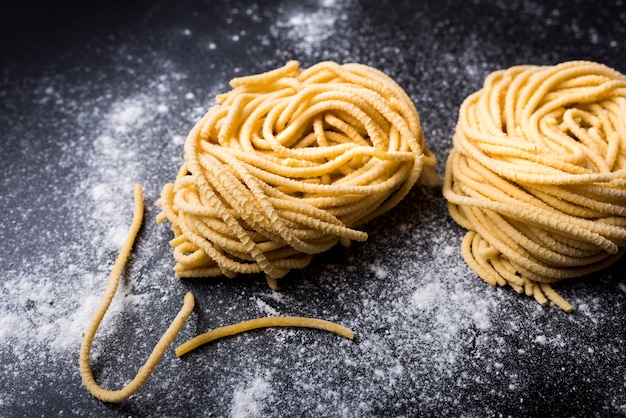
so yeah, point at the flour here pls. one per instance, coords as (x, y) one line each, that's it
(46, 308)
(106, 142)
(178, 139)
(310, 29)
(426, 298)
(379, 271)
(265, 308)
(250, 397)
(126, 115)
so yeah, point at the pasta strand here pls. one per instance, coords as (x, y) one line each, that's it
(274, 321)
(144, 371)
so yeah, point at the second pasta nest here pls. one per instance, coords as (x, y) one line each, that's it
(287, 164)
(537, 175)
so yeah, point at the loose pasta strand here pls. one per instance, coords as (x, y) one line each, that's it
(276, 321)
(537, 175)
(144, 371)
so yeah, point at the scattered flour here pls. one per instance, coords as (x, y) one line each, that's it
(249, 398)
(379, 271)
(178, 140)
(126, 115)
(427, 297)
(265, 308)
(47, 299)
(311, 28)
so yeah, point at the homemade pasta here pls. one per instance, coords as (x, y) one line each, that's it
(145, 371)
(271, 321)
(537, 175)
(287, 164)
(162, 345)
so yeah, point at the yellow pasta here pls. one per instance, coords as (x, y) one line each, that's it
(537, 175)
(273, 321)
(144, 372)
(287, 164)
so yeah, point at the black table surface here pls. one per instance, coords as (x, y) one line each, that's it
(96, 99)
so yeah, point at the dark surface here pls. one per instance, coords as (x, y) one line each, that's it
(93, 100)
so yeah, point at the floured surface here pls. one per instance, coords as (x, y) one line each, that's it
(109, 106)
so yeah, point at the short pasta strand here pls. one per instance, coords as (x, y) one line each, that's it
(537, 175)
(289, 163)
(274, 321)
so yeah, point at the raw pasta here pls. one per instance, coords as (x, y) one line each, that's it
(287, 164)
(271, 321)
(283, 168)
(537, 175)
(144, 372)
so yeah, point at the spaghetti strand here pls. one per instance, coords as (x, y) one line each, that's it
(274, 321)
(146, 370)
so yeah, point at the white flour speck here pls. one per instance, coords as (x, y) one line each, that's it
(250, 397)
(265, 308)
(427, 297)
(125, 114)
(379, 271)
(311, 28)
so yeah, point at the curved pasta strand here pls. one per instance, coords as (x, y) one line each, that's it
(272, 321)
(164, 342)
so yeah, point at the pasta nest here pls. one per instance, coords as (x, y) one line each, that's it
(287, 164)
(537, 175)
